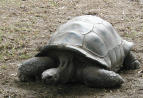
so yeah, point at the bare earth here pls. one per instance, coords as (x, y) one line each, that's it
(25, 25)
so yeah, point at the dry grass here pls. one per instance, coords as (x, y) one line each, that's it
(26, 24)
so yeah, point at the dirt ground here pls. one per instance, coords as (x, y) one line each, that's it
(25, 25)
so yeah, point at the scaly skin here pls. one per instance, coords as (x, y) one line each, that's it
(131, 62)
(67, 70)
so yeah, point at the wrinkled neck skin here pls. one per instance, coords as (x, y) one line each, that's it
(69, 65)
(65, 65)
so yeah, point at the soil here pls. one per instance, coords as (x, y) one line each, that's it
(26, 25)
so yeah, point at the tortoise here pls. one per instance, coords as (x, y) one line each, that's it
(86, 49)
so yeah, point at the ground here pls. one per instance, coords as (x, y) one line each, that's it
(26, 25)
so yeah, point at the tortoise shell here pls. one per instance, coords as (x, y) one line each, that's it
(92, 37)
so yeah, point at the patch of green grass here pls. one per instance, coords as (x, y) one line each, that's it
(11, 2)
(53, 3)
(142, 28)
(24, 56)
(131, 35)
(7, 54)
(10, 43)
(1, 35)
(17, 31)
(4, 67)
(14, 39)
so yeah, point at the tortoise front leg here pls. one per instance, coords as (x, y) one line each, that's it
(97, 77)
(131, 62)
(33, 67)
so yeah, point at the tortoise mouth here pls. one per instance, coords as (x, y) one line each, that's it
(78, 50)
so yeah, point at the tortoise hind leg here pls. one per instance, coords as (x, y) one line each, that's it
(32, 68)
(97, 77)
(131, 62)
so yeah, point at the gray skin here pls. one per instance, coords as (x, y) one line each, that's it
(83, 71)
(86, 49)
